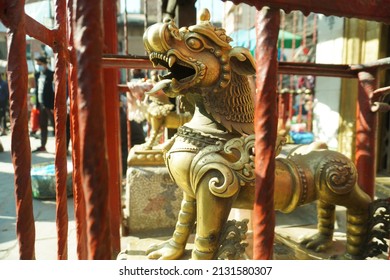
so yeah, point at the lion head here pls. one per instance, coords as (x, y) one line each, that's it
(199, 55)
(199, 58)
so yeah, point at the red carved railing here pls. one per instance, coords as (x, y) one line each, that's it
(267, 30)
(60, 55)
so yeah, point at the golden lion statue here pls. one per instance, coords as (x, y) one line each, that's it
(211, 157)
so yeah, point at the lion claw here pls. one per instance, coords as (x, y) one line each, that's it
(168, 250)
(317, 242)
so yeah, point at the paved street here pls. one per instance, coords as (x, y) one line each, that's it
(44, 210)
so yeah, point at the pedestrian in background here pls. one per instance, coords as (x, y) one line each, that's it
(44, 98)
(4, 95)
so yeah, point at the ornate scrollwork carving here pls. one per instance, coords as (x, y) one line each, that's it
(233, 240)
(378, 228)
(338, 174)
(232, 164)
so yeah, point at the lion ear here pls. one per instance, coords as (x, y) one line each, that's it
(242, 61)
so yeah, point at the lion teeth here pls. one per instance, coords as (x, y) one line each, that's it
(171, 60)
(159, 86)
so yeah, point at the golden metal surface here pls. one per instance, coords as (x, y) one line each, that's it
(211, 157)
(138, 156)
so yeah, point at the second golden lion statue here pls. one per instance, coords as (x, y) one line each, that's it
(211, 157)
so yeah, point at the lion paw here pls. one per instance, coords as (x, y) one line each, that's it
(168, 250)
(317, 242)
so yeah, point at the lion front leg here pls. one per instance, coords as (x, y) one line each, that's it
(326, 219)
(174, 248)
(212, 214)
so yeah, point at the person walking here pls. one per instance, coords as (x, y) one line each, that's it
(4, 94)
(44, 98)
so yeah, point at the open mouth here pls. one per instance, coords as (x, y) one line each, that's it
(177, 69)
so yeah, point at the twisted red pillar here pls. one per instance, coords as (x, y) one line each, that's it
(112, 125)
(267, 29)
(92, 129)
(12, 16)
(60, 130)
(366, 128)
(286, 108)
(78, 193)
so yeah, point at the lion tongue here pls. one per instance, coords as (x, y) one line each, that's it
(159, 86)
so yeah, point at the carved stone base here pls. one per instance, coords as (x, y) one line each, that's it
(152, 200)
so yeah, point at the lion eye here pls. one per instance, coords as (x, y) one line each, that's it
(194, 43)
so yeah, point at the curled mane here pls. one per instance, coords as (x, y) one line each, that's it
(233, 106)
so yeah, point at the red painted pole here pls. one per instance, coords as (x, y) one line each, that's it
(112, 125)
(39, 31)
(126, 41)
(366, 128)
(92, 126)
(78, 193)
(267, 29)
(310, 113)
(20, 141)
(60, 130)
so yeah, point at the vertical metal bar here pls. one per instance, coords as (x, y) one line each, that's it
(366, 129)
(112, 125)
(159, 11)
(78, 193)
(300, 107)
(313, 44)
(185, 12)
(284, 97)
(125, 32)
(20, 141)
(267, 29)
(292, 83)
(304, 31)
(290, 103)
(60, 131)
(92, 125)
(126, 38)
(314, 30)
(146, 15)
(283, 105)
(309, 119)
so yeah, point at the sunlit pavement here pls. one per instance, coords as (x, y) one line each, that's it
(44, 210)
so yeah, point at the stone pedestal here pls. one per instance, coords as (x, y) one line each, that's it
(152, 200)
